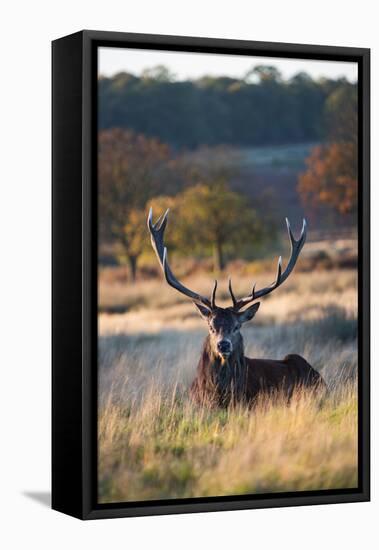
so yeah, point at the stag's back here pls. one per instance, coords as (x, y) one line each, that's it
(269, 375)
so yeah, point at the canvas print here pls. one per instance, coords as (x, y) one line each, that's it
(227, 275)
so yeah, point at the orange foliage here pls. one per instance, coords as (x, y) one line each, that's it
(331, 177)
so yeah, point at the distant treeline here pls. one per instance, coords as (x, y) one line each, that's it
(259, 109)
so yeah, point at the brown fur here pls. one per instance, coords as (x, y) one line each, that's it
(241, 380)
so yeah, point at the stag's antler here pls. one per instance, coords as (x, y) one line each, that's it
(157, 233)
(296, 247)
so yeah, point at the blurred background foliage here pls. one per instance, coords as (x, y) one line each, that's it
(230, 157)
(260, 109)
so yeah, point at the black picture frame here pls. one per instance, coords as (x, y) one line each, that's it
(74, 272)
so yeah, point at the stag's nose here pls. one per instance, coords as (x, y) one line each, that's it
(224, 347)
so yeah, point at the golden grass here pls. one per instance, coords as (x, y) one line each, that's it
(152, 306)
(154, 443)
(165, 447)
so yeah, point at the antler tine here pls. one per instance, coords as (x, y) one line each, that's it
(156, 225)
(294, 242)
(213, 298)
(234, 300)
(162, 221)
(290, 234)
(157, 240)
(281, 276)
(157, 232)
(279, 271)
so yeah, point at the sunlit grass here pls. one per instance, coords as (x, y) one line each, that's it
(165, 447)
(151, 306)
(155, 443)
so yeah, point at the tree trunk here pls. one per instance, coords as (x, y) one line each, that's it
(132, 260)
(218, 257)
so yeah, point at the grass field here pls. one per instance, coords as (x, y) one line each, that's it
(154, 443)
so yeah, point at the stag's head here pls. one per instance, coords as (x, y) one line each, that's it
(224, 324)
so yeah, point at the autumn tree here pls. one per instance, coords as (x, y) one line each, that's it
(213, 218)
(132, 168)
(331, 177)
(132, 240)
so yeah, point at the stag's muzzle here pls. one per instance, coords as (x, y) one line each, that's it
(224, 347)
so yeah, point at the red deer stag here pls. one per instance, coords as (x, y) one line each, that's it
(224, 374)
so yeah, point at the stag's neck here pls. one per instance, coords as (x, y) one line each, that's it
(222, 378)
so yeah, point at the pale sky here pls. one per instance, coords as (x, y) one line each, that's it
(195, 65)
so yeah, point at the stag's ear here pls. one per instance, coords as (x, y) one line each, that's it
(249, 313)
(204, 312)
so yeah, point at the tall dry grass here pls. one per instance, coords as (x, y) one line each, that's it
(164, 447)
(154, 443)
